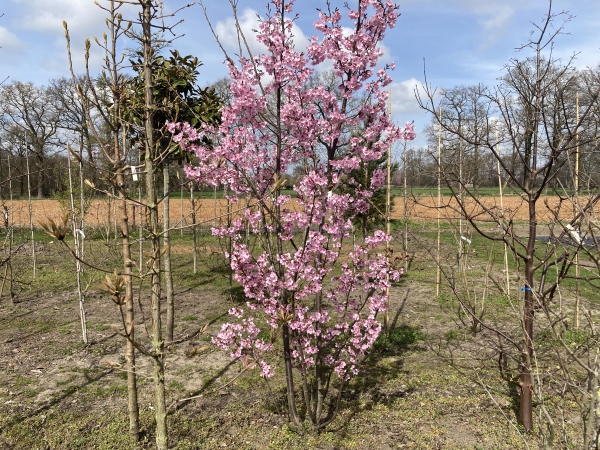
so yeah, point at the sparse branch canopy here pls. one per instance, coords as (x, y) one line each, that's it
(534, 108)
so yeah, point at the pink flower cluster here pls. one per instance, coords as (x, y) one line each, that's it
(305, 277)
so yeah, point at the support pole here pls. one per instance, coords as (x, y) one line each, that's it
(575, 207)
(12, 206)
(461, 247)
(78, 238)
(438, 276)
(388, 211)
(194, 231)
(405, 212)
(500, 187)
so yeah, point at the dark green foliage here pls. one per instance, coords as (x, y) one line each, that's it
(177, 99)
(375, 217)
(398, 340)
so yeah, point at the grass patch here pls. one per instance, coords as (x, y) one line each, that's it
(398, 340)
(189, 318)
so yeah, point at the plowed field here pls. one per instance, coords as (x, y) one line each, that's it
(210, 212)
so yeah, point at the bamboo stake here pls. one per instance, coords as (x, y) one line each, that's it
(12, 206)
(109, 221)
(194, 236)
(438, 276)
(30, 209)
(405, 212)
(115, 216)
(181, 204)
(168, 271)
(460, 197)
(502, 209)
(215, 206)
(140, 227)
(81, 201)
(141, 224)
(388, 211)
(77, 237)
(577, 299)
(229, 241)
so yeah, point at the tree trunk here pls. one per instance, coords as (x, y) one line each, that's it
(167, 257)
(525, 379)
(289, 376)
(132, 400)
(134, 416)
(40, 180)
(152, 208)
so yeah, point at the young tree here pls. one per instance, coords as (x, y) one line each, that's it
(531, 103)
(326, 321)
(178, 98)
(113, 151)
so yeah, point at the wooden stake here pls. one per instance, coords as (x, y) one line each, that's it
(78, 244)
(181, 204)
(194, 236)
(388, 211)
(438, 276)
(12, 206)
(405, 213)
(141, 224)
(461, 247)
(81, 201)
(575, 205)
(502, 209)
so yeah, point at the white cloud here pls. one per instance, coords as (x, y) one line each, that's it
(405, 107)
(249, 21)
(9, 40)
(84, 19)
(404, 104)
(494, 17)
(83, 16)
(495, 25)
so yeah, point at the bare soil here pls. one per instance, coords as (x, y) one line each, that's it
(56, 393)
(101, 213)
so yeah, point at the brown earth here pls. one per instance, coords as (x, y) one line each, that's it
(101, 213)
(56, 393)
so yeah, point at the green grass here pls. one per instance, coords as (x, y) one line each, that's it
(398, 340)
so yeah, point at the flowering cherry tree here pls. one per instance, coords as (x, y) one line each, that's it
(307, 284)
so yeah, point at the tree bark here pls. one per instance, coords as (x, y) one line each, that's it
(152, 208)
(525, 378)
(134, 416)
(40, 179)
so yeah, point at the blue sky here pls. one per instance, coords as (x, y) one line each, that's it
(462, 41)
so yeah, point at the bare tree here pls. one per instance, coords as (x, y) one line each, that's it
(537, 122)
(75, 108)
(112, 121)
(29, 114)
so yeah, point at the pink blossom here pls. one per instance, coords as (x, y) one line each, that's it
(331, 319)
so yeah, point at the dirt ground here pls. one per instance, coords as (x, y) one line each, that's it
(101, 213)
(57, 393)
